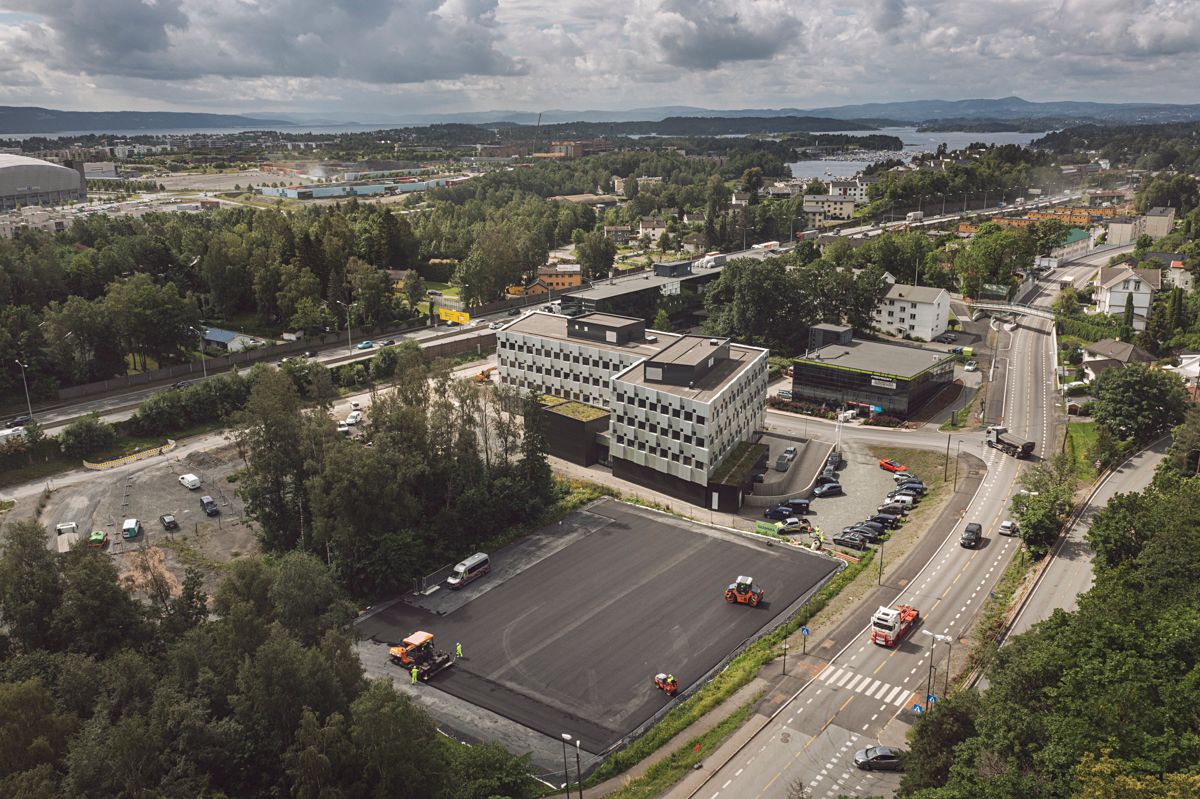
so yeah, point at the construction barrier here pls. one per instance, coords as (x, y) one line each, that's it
(137, 456)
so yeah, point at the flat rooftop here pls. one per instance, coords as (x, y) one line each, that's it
(689, 350)
(548, 325)
(608, 319)
(703, 390)
(877, 357)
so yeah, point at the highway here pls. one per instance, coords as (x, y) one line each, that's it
(858, 691)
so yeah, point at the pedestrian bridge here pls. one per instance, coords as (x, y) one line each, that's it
(1012, 308)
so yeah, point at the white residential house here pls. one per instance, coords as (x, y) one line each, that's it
(740, 199)
(853, 189)
(914, 311)
(1113, 284)
(1177, 275)
(1109, 353)
(1188, 368)
(652, 226)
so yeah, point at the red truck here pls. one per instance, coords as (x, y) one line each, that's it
(889, 625)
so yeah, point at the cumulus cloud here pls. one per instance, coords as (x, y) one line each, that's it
(396, 56)
(376, 41)
(704, 34)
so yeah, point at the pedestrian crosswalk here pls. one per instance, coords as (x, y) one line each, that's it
(867, 686)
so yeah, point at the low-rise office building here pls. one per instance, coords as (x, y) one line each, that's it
(880, 377)
(678, 405)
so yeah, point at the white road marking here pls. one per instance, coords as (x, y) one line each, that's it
(829, 674)
(850, 686)
(892, 695)
(842, 680)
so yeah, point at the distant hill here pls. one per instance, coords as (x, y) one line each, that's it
(684, 126)
(910, 112)
(30, 119)
(1014, 108)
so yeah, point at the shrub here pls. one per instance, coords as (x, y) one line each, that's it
(87, 436)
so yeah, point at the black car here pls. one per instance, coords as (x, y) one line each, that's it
(879, 758)
(834, 460)
(168, 522)
(388, 343)
(515, 312)
(873, 525)
(889, 520)
(760, 477)
(825, 478)
(209, 506)
(828, 490)
(894, 509)
(850, 540)
(866, 533)
(971, 536)
(19, 421)
(779, 514)
(914, 485)
(310, 353)
(798, 505)
(905, 492)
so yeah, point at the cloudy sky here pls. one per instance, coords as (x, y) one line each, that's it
(367, 59)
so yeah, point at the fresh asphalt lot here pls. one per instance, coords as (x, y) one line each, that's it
(573, 640)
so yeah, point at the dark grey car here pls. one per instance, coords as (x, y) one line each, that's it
(879, 758)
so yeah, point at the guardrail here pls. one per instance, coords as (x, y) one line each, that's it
(137, 456)
(1011, 307)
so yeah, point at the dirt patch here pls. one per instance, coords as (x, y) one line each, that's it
(210, 547)
(144, 572)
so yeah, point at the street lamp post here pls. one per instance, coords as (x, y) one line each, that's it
(349, 308)
(938, 638)
(880, 581)
(784, 657)
(203, 359)
(24, 382)
(566, 736)
(957, 455)
(578, 770)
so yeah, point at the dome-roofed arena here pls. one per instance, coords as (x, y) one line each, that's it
(30, 181)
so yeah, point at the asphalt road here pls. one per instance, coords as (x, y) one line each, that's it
(572, 642)
(1069, 573)
(857, 691)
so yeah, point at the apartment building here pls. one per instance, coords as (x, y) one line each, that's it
(1159, 221)
(678, 404)
(827, 207)
(914, 311)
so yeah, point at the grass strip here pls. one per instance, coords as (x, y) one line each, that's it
(670, 770)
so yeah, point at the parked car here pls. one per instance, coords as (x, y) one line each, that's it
(971, 366)
(354, 418)
(905, 492)
(98, 539)
(971, 536)
(1008, 527)
(918, 487)
(790, 453)
(434, 293)
(956, 350)
(189, 481)
(131, 529)
(879, 758)
(828, 490)
(798, 505)
(892, 465)
(833, 460)
(850, 541)
(209, 506)
(496, 325)
(760, 477)
(168, 522)
(355, 405)
(515, 312)
(947, 338)
(867, 534)
(879, 527)
(889, 520)
(779, 514)
(825, 478)
(343, 428)
(894, 508)
(794, 525)
(783, 394)
(900, 477)
(783, 463)
(365, 345)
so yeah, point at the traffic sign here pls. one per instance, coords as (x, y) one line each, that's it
(931, 699)
(917, 709)
(804, 631)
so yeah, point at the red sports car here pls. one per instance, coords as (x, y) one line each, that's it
(889, 465)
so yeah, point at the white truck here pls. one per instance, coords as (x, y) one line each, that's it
(67, 534)
(914, 216)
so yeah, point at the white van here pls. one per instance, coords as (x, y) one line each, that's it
(902, 500)
(67, 534)
(475, 566)
(189, 481)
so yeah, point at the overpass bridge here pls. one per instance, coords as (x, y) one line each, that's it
(1012, 308)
